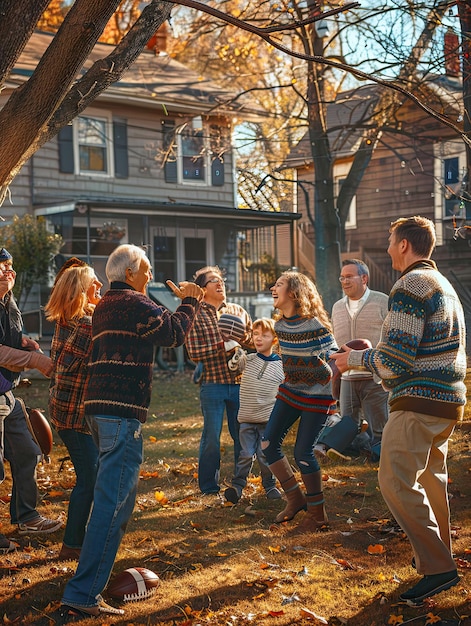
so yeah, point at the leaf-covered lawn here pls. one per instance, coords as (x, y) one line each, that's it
(223, 564)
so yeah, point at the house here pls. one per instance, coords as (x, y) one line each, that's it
(417, 168)
(150, 163)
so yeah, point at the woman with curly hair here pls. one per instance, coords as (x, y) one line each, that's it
(306, 343)
(72, 301)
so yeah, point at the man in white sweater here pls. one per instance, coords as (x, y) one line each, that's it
(358, 315)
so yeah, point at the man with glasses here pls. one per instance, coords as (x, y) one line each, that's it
(220, 386)
(18, 353)
(358, 315)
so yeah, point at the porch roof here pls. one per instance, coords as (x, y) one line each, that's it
(238, 218)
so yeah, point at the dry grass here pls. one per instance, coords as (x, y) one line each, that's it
(228, 565)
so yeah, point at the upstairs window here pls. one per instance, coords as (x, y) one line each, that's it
(192, 153)
(94, 146)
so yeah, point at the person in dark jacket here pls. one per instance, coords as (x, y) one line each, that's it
(18, 353)
(126, 327)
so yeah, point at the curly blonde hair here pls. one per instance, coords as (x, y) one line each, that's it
(68, 299)
(307, 299)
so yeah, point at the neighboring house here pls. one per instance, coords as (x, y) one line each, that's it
(151, 163)
(417, 168)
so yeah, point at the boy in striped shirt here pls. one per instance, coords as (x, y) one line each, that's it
(262, 376)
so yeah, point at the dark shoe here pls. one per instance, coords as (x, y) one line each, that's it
(6, 546)
(429, 586)
(69, 554)
(231, 495)
(274, 493)
(102, 608)
(40, 525)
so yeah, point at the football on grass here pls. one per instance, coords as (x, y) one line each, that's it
(135, 583)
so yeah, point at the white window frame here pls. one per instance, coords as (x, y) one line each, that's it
(180, 235)
(196, 123)
(443, 151)
(107, 120)
(340, 173)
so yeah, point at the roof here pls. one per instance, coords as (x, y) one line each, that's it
(237, 218)
(349, 114)
(152, 80)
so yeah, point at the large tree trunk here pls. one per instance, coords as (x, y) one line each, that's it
(18, 19)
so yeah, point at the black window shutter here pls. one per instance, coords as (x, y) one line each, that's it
(217, 172)
(65, 140)
(170, 167)
(120, 146)
(217, 139)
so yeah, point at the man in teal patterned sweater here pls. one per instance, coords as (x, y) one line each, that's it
(421, 360)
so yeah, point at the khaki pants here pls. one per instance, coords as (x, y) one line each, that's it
(413, 478)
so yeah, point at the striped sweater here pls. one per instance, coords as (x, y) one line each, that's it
(305, 347)
(259, 386)
(421, 358)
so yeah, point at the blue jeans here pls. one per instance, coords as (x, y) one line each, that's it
(214, 398)
(84, 456)
(250, 441)
(310, 425)
(119, 443)
(22, 452)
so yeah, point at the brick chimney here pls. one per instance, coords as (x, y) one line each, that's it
(452, 53)
(158, 42)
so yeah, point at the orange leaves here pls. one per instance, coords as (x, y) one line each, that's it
(432, 619)
(161, 497)
(145, 475)
(396, 619)
(345, 564)
(376, 549)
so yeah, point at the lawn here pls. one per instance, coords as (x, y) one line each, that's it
(229, 565)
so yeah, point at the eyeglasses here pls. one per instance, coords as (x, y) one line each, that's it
(215, 280)
(342, 279)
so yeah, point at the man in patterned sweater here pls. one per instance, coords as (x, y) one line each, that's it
(126, 327)
(421, 360)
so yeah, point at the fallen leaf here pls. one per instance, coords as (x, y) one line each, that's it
(432, 619)
(311, 615)
(345, 564)
(395, 619)
(375, 549)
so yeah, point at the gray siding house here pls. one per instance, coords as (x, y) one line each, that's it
(150, 163)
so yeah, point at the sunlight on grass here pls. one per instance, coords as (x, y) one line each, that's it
(228, 564)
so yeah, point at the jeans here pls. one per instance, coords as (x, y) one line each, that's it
(22, 452)
(214, 398)
(371, 399)
(250, 436)
(119, 443)
(84, 456)
(310, 425)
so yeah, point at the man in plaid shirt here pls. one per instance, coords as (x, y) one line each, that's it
(220, 386)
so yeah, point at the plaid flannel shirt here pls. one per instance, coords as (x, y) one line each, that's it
(70, 350)
(206, 345)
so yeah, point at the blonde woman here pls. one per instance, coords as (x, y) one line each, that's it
(306, 343)
(75, 293)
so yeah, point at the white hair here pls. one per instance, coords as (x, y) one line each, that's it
(126, 256)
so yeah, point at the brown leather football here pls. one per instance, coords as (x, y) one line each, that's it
(354, 344)
(40, 430)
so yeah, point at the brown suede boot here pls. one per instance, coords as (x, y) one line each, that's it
(316, 517)
(295, 498)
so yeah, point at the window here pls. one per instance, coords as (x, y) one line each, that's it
(191, 156)
(94, 146)
(179, 252)
(452, 179)
(340, 174)
(83, 237)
